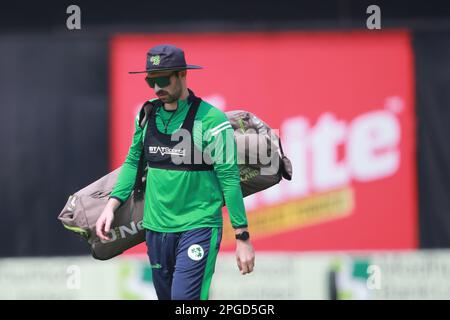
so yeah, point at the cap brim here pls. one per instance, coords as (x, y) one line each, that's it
(189, 66)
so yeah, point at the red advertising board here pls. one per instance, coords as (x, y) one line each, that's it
(344, 105)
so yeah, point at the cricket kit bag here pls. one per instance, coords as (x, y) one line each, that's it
(257, 173)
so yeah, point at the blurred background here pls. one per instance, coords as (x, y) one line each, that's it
(362, 104)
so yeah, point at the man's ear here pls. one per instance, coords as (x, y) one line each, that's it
(182, 73)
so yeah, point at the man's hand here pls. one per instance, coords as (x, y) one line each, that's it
(245, 255)
(103, 225)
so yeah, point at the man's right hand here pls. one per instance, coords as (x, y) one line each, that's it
(103, 225)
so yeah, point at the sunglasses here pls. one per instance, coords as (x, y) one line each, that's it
(162, 81)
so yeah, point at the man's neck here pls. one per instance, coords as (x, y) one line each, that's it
(174, 105)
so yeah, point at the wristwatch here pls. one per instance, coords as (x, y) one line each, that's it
(244, 236)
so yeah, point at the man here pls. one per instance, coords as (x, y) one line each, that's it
(183, 201)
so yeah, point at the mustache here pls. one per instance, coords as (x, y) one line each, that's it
(161, 92)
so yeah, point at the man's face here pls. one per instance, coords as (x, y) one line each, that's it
(170, 93)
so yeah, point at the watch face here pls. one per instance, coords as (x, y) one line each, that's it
(243, 236)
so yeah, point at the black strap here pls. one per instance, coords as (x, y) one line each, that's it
(284, 171)
(139, 183)
(146, 110)
(144, 115)
(190, 117)
(281, 147)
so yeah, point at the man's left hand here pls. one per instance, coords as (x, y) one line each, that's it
(245, 256)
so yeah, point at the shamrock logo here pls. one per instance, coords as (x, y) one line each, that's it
(155, 60)
(195, 252)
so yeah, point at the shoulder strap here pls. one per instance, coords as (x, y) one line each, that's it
(190, 117)
(146, 109)
(144, 115)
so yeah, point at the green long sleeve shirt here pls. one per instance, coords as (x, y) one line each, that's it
(177, 200)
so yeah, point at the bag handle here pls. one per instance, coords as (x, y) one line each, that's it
(286, 165)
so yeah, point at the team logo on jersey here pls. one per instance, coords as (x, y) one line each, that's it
(195, 252)
(167, 150)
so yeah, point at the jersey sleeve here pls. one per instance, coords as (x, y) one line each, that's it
(222, 148)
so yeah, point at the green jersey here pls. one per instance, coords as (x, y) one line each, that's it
(177, 200)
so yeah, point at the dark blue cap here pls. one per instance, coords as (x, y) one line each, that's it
(166, 57)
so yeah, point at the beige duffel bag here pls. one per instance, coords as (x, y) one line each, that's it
(83, 208)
